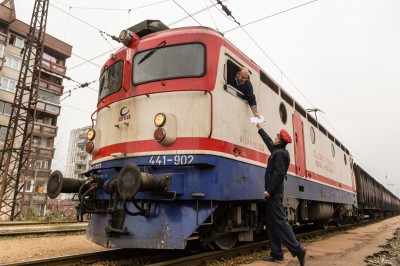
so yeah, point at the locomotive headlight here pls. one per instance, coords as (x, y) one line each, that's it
(127, 37)
(165, 132)
(89, 147)
(91, 134)
(160, 119)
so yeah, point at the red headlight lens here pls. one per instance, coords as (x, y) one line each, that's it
(159, 134)
(89, 146)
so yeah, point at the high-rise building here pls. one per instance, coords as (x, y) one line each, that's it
(13, 34)
(78, 160)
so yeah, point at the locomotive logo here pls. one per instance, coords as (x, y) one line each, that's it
(124, 114)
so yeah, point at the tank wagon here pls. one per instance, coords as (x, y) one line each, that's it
(175, 156)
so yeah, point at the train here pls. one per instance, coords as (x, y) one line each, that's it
(176, 159)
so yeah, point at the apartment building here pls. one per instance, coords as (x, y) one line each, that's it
(13, 34)
(78, 160)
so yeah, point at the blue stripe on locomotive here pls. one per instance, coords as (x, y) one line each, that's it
(222, 179)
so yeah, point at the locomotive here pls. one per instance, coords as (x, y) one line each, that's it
(176, 158)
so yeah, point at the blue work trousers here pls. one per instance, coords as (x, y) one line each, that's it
(279, 229)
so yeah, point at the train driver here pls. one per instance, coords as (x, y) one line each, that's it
(242, 83)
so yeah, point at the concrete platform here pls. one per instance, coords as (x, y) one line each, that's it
(349, 248)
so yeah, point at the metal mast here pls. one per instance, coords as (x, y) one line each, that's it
(17, 145)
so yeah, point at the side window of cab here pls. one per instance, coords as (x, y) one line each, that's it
(232, 69)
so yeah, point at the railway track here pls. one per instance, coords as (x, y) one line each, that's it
(43, 232)
(4, 224)
(172, 257)
(12, 229)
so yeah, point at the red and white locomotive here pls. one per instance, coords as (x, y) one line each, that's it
(175, 155)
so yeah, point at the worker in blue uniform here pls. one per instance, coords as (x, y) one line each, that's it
(278, 227)
(241, 82)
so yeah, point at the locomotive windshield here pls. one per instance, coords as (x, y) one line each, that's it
(178, 61)
(111, 80)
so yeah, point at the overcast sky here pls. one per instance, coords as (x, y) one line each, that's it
(340, 56)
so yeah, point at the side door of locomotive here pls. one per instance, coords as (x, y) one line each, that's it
(299, 149)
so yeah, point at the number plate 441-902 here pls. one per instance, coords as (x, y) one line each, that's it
(171, 160)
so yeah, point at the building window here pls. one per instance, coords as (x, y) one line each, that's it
(16, 41)
(8, 84)
(52, 58)
(3, 37)
(13, 62)
(48, 97)
(52, 108)
(29, 186)
(36, 141)
(1, 51)
(3, 132)
(5, 108)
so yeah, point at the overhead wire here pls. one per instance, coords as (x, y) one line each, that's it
(88, 60)
(195, 13)
(187, 13)
(113, 9)
(212, 18)
(270, 16)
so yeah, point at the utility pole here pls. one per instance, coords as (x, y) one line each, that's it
(15, 155)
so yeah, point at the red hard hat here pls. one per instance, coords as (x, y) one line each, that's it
(285, 136)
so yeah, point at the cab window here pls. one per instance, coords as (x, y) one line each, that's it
(169, 62)
(111, 80)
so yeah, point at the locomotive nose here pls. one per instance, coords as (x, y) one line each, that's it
(130, 181)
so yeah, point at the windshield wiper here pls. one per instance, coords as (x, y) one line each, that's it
(155, 49)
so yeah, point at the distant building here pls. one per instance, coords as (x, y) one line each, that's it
(78, 160)
(13, 34)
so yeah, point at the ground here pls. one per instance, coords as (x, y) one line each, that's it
(377, 244)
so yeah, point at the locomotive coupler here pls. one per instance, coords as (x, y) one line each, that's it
(130, 181)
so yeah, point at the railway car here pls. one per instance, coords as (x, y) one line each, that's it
(175, 156)
(373, 199)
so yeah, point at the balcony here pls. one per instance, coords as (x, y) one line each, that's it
(80, 162)
(40, 151)
(3, 38)
(51, 87)
(48, 108)
(39, 173)
(81, 144)
(53, 67)
(83, 135)
(44, 130)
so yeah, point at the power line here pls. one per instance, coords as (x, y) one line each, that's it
(212, 18)
(195, 13)
(270, 16)
(84, 22)
(112, 9)
(88, 60)
(76, 108)
(187, 13)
